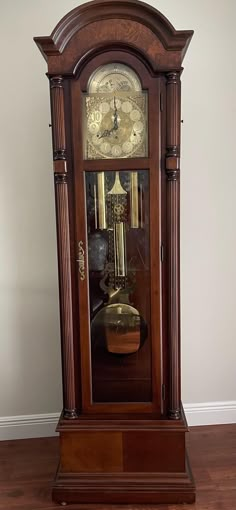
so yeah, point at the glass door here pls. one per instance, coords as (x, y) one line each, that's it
(117, 204)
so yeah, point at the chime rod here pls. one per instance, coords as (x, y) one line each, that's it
(102, 222)
(134, 205)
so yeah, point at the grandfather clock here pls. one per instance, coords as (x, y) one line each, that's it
(114, 69)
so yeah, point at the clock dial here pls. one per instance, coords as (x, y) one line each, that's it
(116, 128)
(115, 117)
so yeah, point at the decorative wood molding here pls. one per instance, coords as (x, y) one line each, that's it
(44, 425)
(173, 249)
(149, 26)
(173, 113)
(125, 487)
(58, 123)
(172, 163)
(68, 361)
(173, 295)
(172, 78)
(172, 151)
(61, 178)
(172, 175)
(107, 9)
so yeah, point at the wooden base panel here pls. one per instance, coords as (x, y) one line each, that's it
(123, 462)
(124, 488)
(28, 466)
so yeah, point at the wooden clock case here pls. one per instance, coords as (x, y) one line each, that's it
(119, 452)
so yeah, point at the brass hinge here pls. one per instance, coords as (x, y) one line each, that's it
(162, 253)
(163, 392)
(161, 102)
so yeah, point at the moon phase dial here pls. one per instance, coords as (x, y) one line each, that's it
(114, 77)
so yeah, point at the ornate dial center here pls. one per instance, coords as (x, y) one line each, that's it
(119, 209)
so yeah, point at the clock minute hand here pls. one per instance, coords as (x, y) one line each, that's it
(115, 116)
(116, 121)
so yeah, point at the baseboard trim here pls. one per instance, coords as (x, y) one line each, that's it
(211, 413)
(24, 427)
(44, 425)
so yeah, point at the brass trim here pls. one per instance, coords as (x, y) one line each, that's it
(117, 189)
(95, 207)
(141, 207)
(81, 260)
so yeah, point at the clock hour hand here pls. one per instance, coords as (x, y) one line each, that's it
(106, 133)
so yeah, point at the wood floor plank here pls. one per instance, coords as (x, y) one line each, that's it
(25, 483)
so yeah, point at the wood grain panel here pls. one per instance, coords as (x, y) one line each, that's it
(154, 451)
(91, 452)
(137, 24)
(101, 34)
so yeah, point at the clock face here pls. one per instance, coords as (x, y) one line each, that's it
(115, 114)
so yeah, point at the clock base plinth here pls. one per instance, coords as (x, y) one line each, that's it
(123, 462)
(124, 489)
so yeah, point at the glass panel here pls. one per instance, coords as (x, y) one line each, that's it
(119, 285)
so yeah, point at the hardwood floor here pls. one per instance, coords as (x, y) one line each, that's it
(28, 466)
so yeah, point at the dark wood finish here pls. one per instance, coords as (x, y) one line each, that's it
(153, 164)
(84, 452)
(122, 422)
(103, 460)
(69, 392)
(173, 239)
(126, 488)
(126, 451)
(58, 124)
(27, 468)
(163, 239)
(117, 164)
(132, 22)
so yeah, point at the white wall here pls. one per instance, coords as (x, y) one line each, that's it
(30, 381)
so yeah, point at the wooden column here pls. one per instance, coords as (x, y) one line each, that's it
(58, 123)
(173, 239)
(63, 242)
